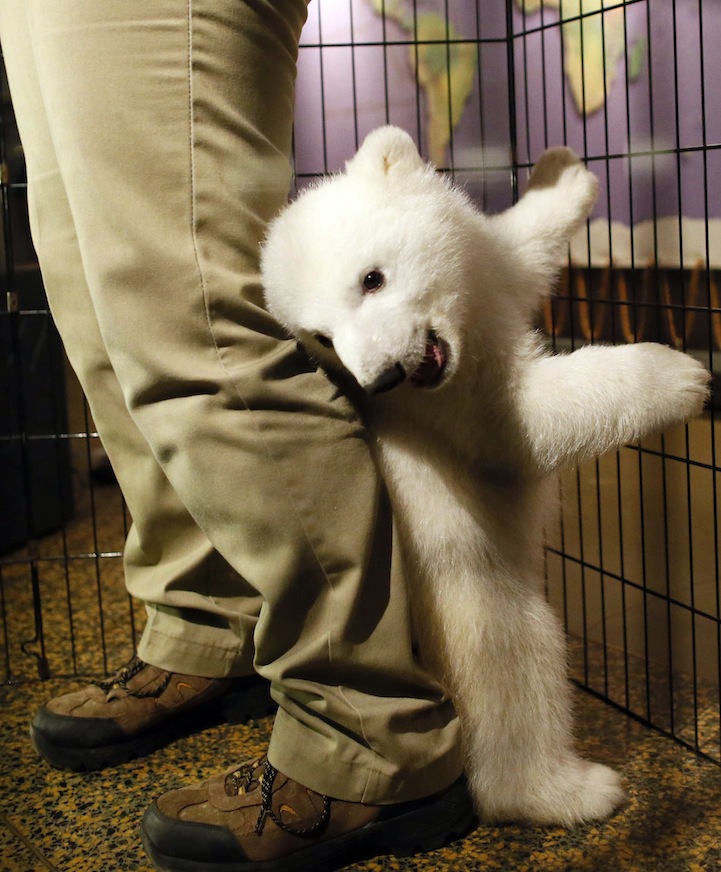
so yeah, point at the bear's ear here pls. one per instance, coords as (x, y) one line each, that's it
(386, 151)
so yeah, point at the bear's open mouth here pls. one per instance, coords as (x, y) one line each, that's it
(430, 370)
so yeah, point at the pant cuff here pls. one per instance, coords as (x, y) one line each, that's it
(179, 646)
(342, 769)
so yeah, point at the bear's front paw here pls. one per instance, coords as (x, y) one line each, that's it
(676, 382)
(560, 170)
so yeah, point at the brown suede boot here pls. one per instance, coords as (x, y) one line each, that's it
(137, 710)
(255, 819)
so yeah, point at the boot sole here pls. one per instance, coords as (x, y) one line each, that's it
(234, 707)
(426, 828)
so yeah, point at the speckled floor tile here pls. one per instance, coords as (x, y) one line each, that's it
(16, 854)
(89, 822)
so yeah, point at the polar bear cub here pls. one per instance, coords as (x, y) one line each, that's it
(389, 273)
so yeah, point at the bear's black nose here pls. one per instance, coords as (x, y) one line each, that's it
(387, 380)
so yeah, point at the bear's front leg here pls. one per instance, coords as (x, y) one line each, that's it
(560, 195)
(580, 405)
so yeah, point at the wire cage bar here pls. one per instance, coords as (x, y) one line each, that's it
(632, 557)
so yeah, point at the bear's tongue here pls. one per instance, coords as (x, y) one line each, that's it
(430, 369)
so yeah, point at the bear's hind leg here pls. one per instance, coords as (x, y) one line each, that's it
(505, 662)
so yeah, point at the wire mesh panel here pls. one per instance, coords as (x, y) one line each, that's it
(633, 560)
(63, 608)
(484, 87)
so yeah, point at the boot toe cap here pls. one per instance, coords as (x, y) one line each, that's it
(76, 732)
(166, 837)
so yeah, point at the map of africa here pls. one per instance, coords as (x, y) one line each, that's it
(593, 47)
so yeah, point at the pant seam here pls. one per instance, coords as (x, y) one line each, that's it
(221, 364)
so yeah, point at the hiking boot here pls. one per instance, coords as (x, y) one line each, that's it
(253, 818)
(137, 710)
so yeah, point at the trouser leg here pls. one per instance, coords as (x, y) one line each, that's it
(169, 563)
(171, 126)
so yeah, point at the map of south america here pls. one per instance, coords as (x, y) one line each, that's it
(444, 65)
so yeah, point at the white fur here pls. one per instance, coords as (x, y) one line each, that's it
(467, 463)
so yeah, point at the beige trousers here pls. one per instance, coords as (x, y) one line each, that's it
(157, 137)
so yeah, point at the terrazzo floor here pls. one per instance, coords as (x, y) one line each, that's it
(52, 820)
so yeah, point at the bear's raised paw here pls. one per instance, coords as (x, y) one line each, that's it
(560, 168)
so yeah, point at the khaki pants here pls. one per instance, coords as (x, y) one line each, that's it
(157, 137)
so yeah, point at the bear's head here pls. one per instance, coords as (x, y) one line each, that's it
(368, 267)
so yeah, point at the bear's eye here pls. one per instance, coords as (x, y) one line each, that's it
(324, 340)
(373, 280)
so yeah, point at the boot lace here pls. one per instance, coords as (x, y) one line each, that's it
(128, 672)
(244, 780)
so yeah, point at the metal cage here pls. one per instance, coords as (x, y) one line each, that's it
(632, 557)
